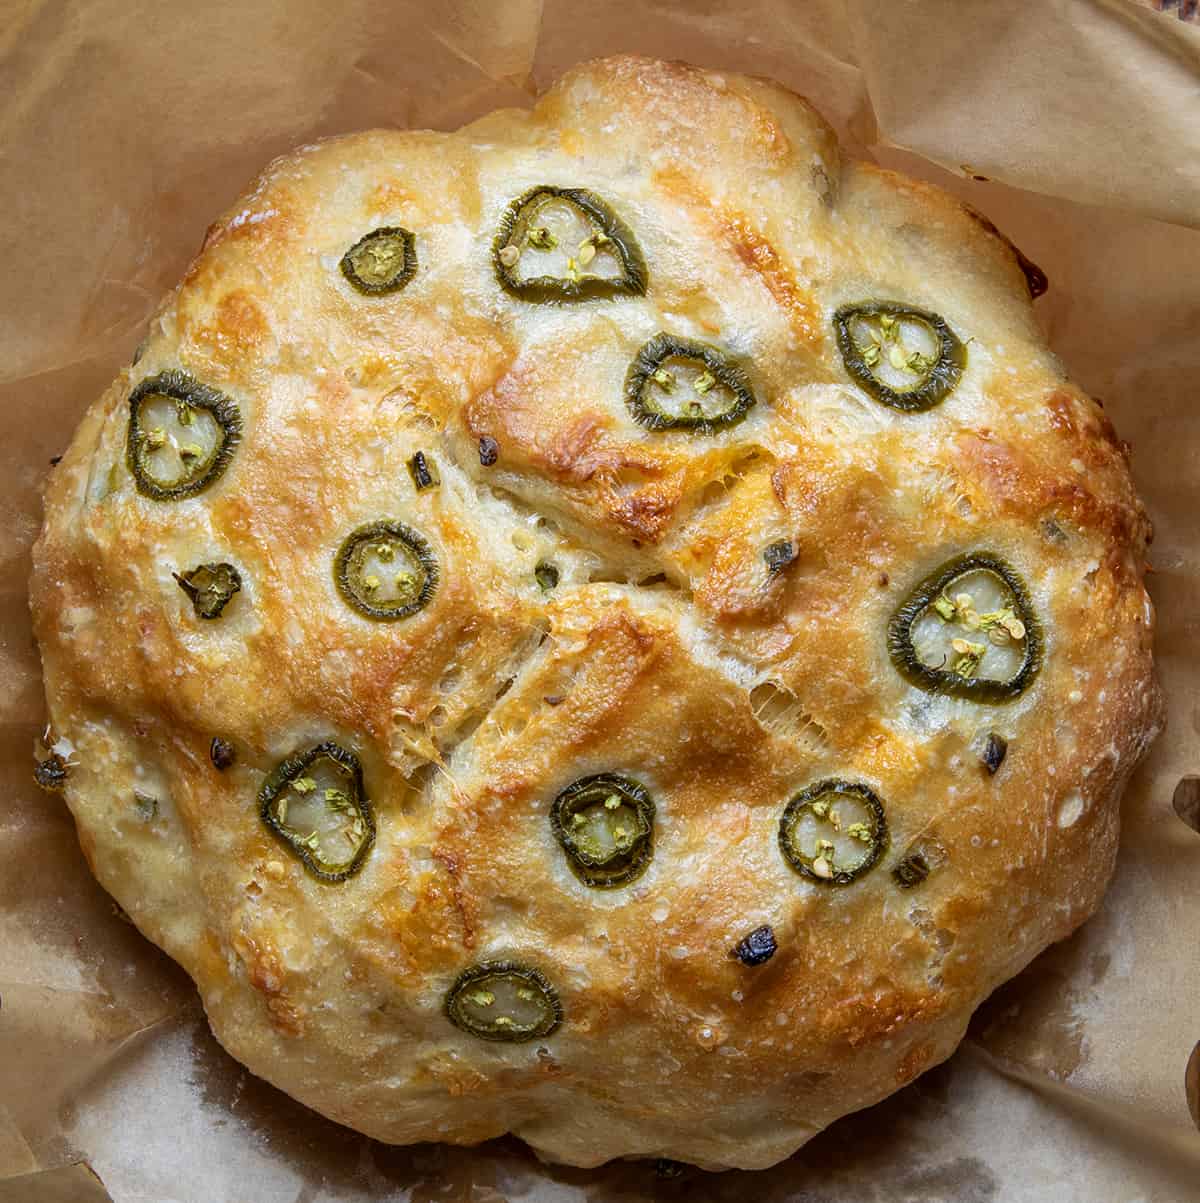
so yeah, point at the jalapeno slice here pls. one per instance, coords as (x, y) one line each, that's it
(386, 570)
(905, 357)
(546, 575)
(503, 1000)
(182, 435)
(994, 752)
(757, 948)
(605, 824)
(315, 804)
(222, 753)
(833, 832)
(423, 471)
(566, 244)
(778, 556)
(210, 586)
(51, 773)
(382, 261)
(968, 630)
(489, 450)
(681, 384)
(911, 871)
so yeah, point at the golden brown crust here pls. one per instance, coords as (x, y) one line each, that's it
(668, 652)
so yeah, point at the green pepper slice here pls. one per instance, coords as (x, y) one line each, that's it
(681, 384)
(315, 804)
(833, 832)
(182, 435)
(210, 586)
(605, 824)
(382, 261)
(968, 630)
(905, 357)
(503, 1000)
(566, 244)
(386, 571)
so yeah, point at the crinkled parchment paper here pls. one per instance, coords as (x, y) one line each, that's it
(126, 126)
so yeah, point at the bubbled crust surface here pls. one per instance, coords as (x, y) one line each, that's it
(724, 690)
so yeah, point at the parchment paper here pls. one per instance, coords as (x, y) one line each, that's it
(125, 127)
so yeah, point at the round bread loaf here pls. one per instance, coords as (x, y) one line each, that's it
(609, 625)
